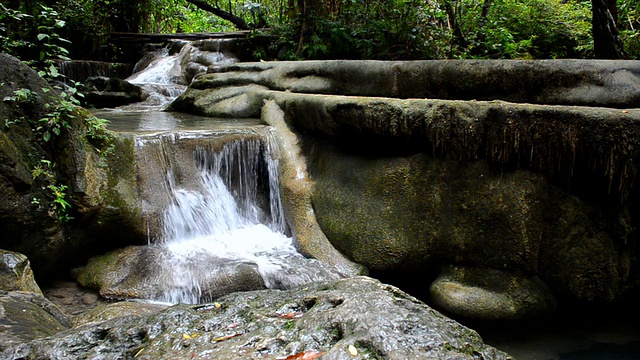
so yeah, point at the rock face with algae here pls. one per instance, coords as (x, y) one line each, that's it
(522, 170)
(355, 318)
(93, 174)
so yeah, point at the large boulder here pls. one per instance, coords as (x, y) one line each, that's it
(110, 92)
(74, 164)
(356, 318)
(138, 272)
(157, 272)
(16, 273)
(525, 168)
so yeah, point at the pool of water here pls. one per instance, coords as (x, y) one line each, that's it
(578, 336)
(157, 120)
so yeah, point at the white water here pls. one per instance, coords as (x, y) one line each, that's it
(166, 76)
(223, 226)
(208, 233)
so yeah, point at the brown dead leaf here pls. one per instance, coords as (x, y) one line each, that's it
(307, 355)
(291, 315)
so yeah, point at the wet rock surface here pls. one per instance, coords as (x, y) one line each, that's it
(98, 198)
(72, 298)
(104, 92)
(491, 294)
(357, 318)
(16, 273)
(137, 272)
(26, 316)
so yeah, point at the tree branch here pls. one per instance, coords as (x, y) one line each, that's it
(237, 21)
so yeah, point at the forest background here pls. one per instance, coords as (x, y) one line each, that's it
(337, 29)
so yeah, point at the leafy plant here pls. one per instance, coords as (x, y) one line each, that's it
(50, 42)
(57, 119)
(22, 97)
(9, 43)
(59, 204)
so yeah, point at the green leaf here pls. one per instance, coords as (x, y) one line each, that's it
(59, 23)
(46, 136)
(56, 131)
(53, 71)
(42, 36)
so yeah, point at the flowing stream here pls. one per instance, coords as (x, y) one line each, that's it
(210, 189)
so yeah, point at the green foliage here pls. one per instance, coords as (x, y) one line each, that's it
(407, 29)
(542, 29)
(9, 42)
(388, 29)
(59, 114)
(59, 205)
(400, 29)
(56, 119)
(629, 24)
(23, 98)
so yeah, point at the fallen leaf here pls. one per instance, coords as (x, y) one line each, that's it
(625, 111)
(217, 305)
(308, 355)
(352, 350)
(291, 315)
(186, 336)
(227, 337)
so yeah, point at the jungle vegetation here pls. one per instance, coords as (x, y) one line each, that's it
(344, 29)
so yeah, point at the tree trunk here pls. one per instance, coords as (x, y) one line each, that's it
(480, 46)
(452, 15)
(309, 10)
(606, 42)
(237, 21)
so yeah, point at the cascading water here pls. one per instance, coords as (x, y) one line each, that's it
(224, 223)
(211, 197)
(166, 76)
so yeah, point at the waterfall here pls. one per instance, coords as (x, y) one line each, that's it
(81, 70)
(165, 73)
(221, 214)
(229, 199)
